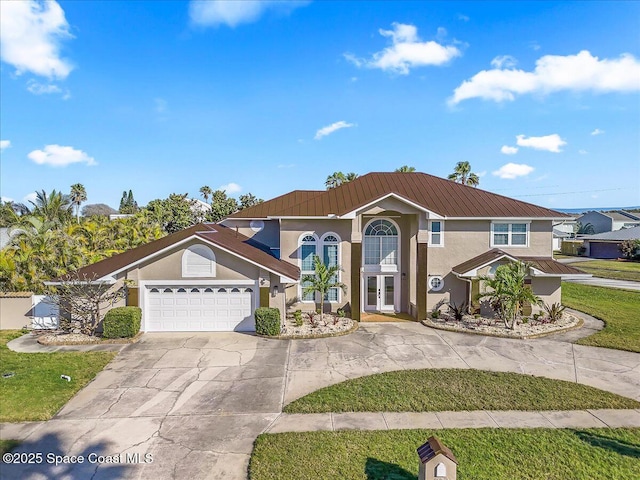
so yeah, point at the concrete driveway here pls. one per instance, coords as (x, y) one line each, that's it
(196, 402)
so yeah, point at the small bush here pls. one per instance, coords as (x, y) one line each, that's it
(457, 311)
(268, 321)
(340, 313)
(122, 322)
(554, 311)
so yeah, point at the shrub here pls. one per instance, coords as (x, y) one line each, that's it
(267, 321)
(122, 322)
(554, 311)
(457, 311)
(340, 313)
(297, 318)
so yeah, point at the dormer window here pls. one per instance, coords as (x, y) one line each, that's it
(198, 261)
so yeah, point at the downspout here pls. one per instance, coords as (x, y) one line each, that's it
(470, 282)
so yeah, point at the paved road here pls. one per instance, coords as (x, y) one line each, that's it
(608, 282)
(196, 402)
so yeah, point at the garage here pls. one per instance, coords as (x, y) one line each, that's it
(604, 250)
(199, 308)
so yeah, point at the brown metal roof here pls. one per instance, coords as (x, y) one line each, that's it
(433, 447)
(444, 197)
(544, 264)
(216, 234)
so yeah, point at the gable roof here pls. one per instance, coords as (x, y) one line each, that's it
(442, 197)
(545, 265)
(433, 447)
(217, 235)
(621, 235)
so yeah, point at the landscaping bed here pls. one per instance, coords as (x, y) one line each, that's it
(62, 338)
(36, 390)
(496, 328)
(455, 390)
(314, 325)
(618, 309)
(482, 454)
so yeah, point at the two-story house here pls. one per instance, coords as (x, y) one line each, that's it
(405, 241)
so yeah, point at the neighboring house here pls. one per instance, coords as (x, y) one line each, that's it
(558, 237)
(609, 221)
(607, 245)
(405, 241)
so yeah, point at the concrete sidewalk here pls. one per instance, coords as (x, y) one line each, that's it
(437, 420)
(608, 282)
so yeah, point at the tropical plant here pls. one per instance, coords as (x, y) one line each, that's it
(457, 311)
(206, 193)
(554, 311)
(630, 248)
(221, 206)
(52, 207)
(338, 178)
(173, 213)
(77, 196)
(586, 229)
(323, 279)
(10, 213)
(462, 174)
(249, 200)
(405, 169)
(128, 205)
(508, 293)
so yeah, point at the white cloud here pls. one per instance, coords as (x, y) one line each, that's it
(581, 72)
(597, 131)
(513, 170)
(549, 143)
(329, 129)
(30, 197)
(504, 61)
(4, 144)
(230, 188)
(582, 152)
(30, 36)
(6, 199)
(482, 173)
(38, 88)
(462, 17)
(59, 156)
(507, 150)
(233, 12)
(286, 165)
(406, 51)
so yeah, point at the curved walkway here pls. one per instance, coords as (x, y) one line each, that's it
(196, 402)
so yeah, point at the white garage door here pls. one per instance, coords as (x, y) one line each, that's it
(199, 309)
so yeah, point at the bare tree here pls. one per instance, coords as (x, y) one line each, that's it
(83, 301)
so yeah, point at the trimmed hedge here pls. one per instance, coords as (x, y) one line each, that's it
(267, 321)
(122, 322)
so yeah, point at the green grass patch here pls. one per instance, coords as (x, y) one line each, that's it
(619, 309)
(434, 390)
(491, 454)
(8, 445)
(611, 269)
(36, 391)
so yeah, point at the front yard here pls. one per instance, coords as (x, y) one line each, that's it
(619, 309)
(610, 269)
(455, 390)
(491, 454)
(36, 391)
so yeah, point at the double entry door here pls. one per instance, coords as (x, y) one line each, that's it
(380, 293)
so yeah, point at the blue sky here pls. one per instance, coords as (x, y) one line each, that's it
(542, 98)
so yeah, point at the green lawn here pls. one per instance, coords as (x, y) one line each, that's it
(610, 269)
(8, 445)
(453, 389)
(36, 391)
(619, 309)
(491, 454)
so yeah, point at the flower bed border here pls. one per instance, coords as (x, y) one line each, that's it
(353, 328)
(102, 341)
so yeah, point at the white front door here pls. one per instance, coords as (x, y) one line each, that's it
(380, 293)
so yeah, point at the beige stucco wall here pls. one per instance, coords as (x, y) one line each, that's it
(14, 313)
(269, 235)
(169, 266)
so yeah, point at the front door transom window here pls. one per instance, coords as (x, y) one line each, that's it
(381, 243)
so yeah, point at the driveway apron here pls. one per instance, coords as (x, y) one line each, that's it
(196, 402)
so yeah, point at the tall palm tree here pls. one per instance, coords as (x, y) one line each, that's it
(405, 169)
(206, 192)
(77, 196)
(462, 174)
(322, 280)
(338, 178)
(350, 177)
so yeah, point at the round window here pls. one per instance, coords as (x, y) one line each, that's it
(256, 225)
(436, 283)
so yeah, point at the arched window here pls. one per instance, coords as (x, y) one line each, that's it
(381, 243)
(440, 470)
(308, 250)
(331, 258)
(198, 261)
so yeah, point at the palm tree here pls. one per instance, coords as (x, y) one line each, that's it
(405, 169)
(508, 293)
(338, 178)
(462, 174)
(206, 192)
(322, 280)
(77, 196)
(54, 207)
